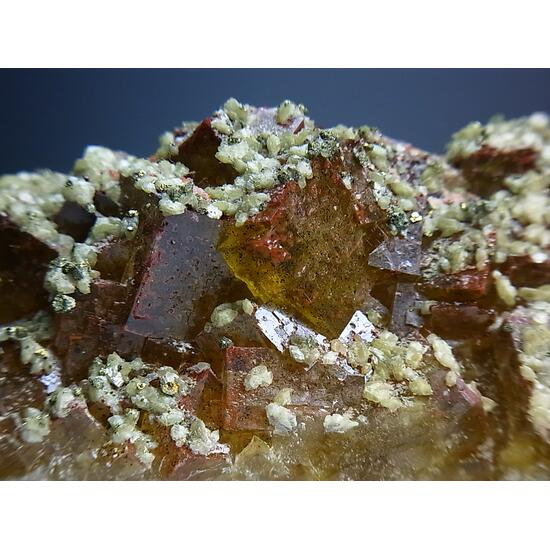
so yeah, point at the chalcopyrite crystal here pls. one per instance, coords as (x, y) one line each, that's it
(263, 298)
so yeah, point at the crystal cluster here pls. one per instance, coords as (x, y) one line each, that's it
(266, 299)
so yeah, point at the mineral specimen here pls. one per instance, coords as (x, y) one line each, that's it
(266, 299)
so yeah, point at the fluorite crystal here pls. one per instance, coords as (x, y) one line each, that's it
(266, 299)
(23, 260)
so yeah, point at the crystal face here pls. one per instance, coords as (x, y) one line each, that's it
(266, 299)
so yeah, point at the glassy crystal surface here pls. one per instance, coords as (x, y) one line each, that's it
(307, 251)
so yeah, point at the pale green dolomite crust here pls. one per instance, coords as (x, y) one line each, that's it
(511, 221)
(27, 333)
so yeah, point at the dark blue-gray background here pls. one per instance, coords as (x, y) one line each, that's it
(47, 117)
